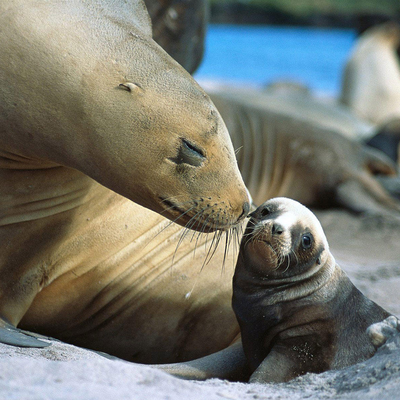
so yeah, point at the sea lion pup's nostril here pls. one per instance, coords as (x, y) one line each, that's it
(277, 229)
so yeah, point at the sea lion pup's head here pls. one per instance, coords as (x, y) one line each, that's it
(283, 239)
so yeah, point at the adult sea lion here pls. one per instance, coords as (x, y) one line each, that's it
(179, 27)
(283, 150)
(298, 311)
(299, 102)
(91, 110)
(371, 78)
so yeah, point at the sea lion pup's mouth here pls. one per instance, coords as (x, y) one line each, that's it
(265, 249)
(283, 239)
(202, 215)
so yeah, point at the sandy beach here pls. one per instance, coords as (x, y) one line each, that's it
(367, 248)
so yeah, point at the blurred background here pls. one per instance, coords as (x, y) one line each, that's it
(256, 42)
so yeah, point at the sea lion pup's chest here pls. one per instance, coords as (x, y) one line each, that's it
(298, 311)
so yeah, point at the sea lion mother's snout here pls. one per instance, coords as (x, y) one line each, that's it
(245, 211)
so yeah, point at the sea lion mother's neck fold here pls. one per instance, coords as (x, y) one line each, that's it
(33, 189)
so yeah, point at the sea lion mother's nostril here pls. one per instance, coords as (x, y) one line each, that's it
(276, 229)
(246, 209)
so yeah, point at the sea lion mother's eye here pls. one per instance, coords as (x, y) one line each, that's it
(190, 154)
(306, 241)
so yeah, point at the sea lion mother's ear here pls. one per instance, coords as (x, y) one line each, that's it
(131, 87)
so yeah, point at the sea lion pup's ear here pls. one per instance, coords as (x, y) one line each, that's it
(131, 87)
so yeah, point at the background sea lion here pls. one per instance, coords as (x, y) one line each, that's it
(298, 311)
(371, 78)
(371, 84)
(283, 149)
(179, 27)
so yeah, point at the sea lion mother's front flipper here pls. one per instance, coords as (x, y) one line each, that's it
(9, 334)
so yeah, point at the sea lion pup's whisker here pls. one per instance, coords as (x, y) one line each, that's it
(288, 264)
(297, 259)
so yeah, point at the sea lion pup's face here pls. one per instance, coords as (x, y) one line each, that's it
(283, 239)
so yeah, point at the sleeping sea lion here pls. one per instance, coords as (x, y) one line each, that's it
(284, 150)
(298, 311)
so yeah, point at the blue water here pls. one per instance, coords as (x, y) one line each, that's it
(262, 54)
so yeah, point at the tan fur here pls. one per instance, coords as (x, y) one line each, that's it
(371, 80)
(78, 260)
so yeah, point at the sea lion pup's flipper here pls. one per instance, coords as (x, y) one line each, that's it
(380, 332)
(15, 337)
(281, 365)
(229, 363)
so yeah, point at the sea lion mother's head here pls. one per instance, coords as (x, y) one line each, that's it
(284, 239)
(96, 93)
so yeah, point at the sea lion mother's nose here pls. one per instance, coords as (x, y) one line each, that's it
(245, 211)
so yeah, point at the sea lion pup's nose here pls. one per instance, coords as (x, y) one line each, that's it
(261, 212)
(276, 229)
(246, 209)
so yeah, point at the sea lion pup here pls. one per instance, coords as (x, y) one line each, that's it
(371, 78)
(297, 310)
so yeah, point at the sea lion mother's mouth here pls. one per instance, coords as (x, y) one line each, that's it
(172, 207)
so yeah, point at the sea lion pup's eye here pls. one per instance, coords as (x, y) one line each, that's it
(306, 241)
